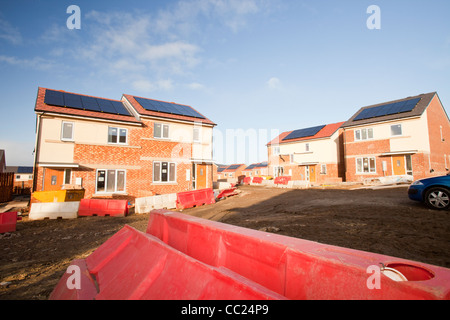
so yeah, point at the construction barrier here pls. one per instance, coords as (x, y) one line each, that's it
(54, 210)
(57, 196)
(247, 180)
(163, 201)
(282, 180)
(227, 193)
(103, 207)
(137, 266)
(8, 221)
(257, 180)
(190, 199)
(296, 268)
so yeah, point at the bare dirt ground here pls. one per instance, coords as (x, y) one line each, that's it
(33, 259)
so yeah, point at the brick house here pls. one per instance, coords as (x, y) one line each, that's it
(409, 136)
(313, 154)
(128, 148)
(256, 169)
(233, 172)
(23, 176)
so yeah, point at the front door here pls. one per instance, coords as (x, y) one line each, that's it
(398, 163)
(53, 179)
(201, 176)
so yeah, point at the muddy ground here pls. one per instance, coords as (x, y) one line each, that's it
(33, 259)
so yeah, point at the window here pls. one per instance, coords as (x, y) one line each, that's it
(363, 134)
(365, 165)
(164, 171)
(276, 151)
(117, 135)
(111, 180)
(196, 135)
(307, 147)
(278, 171)
(67, 131)
(323, 169)
(161, 131)
(53, 181)
(396, 130)
(67, 176)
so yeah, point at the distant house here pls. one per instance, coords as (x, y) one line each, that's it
(233, 172)
(218, 172)
(256, 169)
(313, 154)
(409, 136)
(128, 148)
(23, 176)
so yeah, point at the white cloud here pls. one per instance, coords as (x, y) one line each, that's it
(9, 33)
(195, 86)
(36, 63)
(148, 86)
(274, 83)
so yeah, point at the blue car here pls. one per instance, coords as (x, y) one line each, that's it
(434, 192)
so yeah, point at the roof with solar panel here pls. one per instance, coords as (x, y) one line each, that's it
(392, 110)
(170, 110)
(58, 101)
(311, 133)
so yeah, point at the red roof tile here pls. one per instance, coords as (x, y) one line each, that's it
(325, 132)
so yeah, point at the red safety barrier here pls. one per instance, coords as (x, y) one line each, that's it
(137, 266)
(227, 193)
(282, 180)
(8, 221)
(257, 180)
(296, 268)
(103, 207)
(247, 180)
(190, 199)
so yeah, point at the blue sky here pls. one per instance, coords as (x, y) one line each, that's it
(250, 66)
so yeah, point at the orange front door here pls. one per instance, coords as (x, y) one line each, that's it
(312, 173)
(201, 181)
(398, 163)
(53, 179)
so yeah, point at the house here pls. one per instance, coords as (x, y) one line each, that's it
(313, 154)
(128, 148)
(23, 176)
(409, 136)
(218, 172)
(256, 169)
(233, 172)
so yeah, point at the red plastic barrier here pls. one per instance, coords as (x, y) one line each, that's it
(190, 199)
(257, 180)
(282, 180)
(247, 180)
(103, 207)
(296, 268)
(137, 266)
(8, 221)
(227, 193)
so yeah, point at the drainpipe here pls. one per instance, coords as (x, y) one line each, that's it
(36, 148)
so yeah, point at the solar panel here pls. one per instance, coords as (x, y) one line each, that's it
(303, 133)
(167, 107)
(77, 101)
(54, 98)
(388, 109)
(233, 167)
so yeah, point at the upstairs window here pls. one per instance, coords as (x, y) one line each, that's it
(67, 131)
(396, 130)
(117, 135)
(161, 131)
(363, 134)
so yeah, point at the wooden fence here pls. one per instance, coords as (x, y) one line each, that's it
(6, 186)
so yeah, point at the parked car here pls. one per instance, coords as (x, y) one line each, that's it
(434, 192)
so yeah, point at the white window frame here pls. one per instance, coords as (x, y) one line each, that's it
(196, 132)
(371, 170)
(401, 130)
(307, 147)
(65, 175)
(118, 135)
(162, 130)
(360, 131)
(115, 183)
(323, 169)
(276, 150)
(62, 130)
(168, 172)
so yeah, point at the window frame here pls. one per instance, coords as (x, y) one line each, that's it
(170, 171)
(370, 171)
(162, 130)
(360, 133)
(72, 131)
(116, 174)
(118, 135)
(396, 125)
